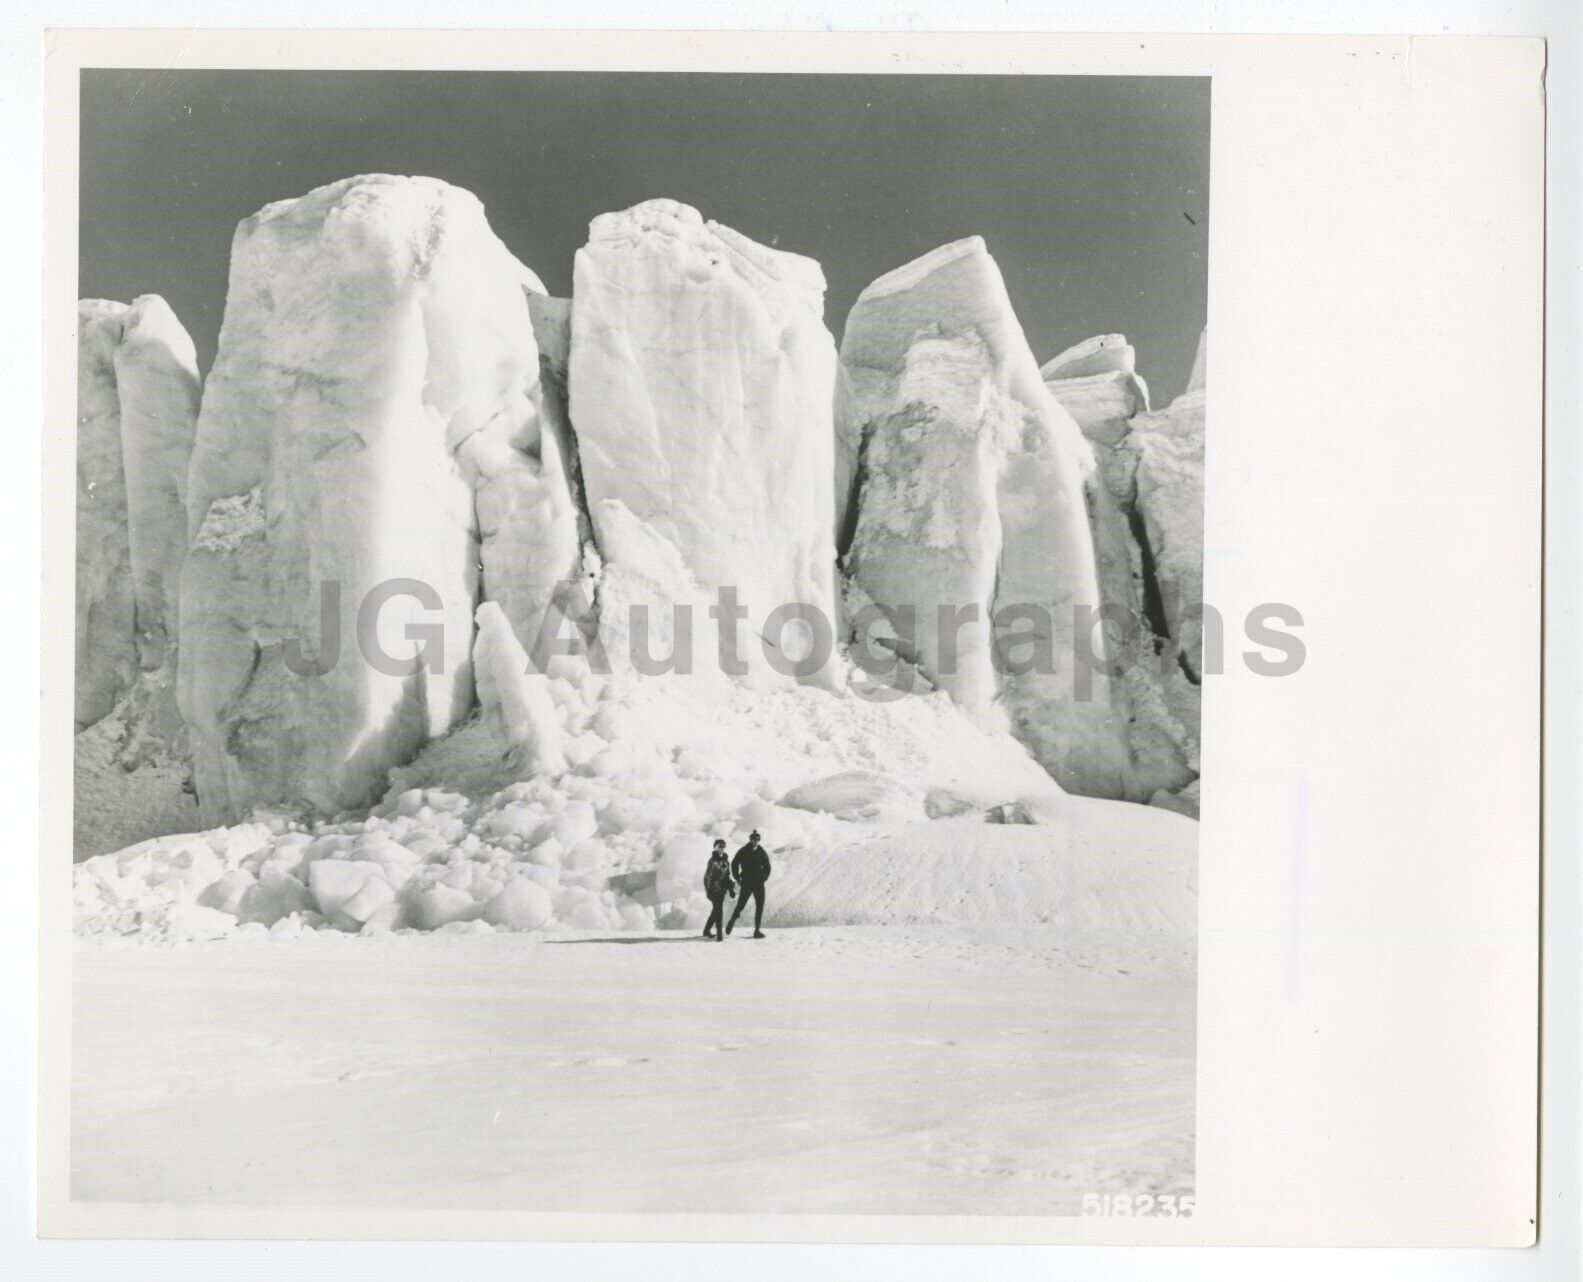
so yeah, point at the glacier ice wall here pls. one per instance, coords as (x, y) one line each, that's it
(1095, 383)
(563, 615)
(106, 606)
(1147, 518)
(156, 371)
(370, 421)
(1169, 444)
(137, 403)
(1039, 464)
(928, 535)
(701, 389)
(406, 447)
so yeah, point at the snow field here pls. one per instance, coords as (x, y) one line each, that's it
(903, 1069)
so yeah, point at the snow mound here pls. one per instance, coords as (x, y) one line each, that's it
(1105, 869)
(681, 868)
(860, 796)
(620, 840)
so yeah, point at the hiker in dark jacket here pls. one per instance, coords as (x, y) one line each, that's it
(752, 869)
(717, 885)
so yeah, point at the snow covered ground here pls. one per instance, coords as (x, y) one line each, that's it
(883, 1069)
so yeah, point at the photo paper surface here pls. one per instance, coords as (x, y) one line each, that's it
(646, 655)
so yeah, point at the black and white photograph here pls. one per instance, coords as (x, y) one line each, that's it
(790, 650)
(639, 641)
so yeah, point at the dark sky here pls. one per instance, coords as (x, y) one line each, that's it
(1091, 191)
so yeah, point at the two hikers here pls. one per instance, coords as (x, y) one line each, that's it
(747, 872)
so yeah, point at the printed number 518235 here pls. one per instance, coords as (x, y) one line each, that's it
(1137, 1205)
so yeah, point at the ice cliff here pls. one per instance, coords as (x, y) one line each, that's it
(371, 424)
(971, 499)
(106, 625)
(1095, 382)
(406, 448)
(138, 394)
(1170, 480)
(701, 387)
(1146, 514)
(137, 402)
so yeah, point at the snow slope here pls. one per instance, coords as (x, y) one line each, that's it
(1098, 872)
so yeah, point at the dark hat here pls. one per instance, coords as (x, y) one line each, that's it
(720, 841)
(754, 836)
